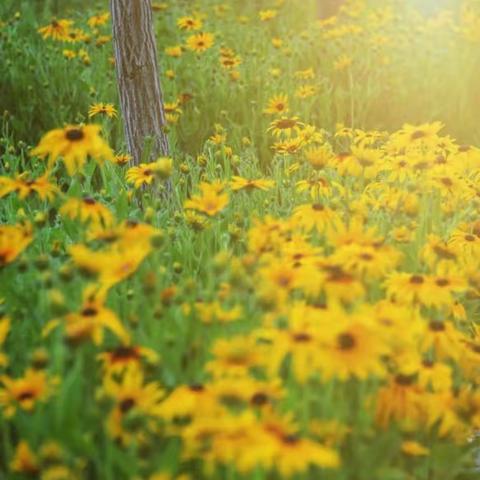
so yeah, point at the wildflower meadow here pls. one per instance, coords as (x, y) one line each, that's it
(289, 290)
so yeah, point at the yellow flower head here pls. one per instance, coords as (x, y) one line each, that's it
(73, 144)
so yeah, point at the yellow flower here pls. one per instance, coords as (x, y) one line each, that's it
(319, 157)
(285, 127)
(119, 358)
(57, 30)
(240, 183)
(132, 397)
(266, 15)
(24, 460)
(235, 356)
(175, 51)
(211, 201)
(26, 391)
(315, 216)
(277, 104)
(13, 240)
(112, 265)
(122, 159)
(146, 173)
(351, 348)
(98, 20)
(305, 91)
(307, 74)
(89, 323)
(25, 187)
(87, 209)
(200, 42)
(106, 109)
(189, 23)
(213, 312)
(69, 54)
(74, 144)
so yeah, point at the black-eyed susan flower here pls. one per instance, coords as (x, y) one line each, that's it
(305, 91)
(24, 460)
(24, 186)
(200, 42)
(26, 391)
(285, 127)
(146, 173)
(316, 216)
(295, 454)
(112, 265)
(87, 209)
(278, 104)
(350, 348)
(57, 30)
(117, 359)
(89, 323)
(211, 201)
(98, 20)
(73, 144)
(14, 239)
(189, 401)
(107, 109)
(266, 15)
(240, 183)
(236, 356)
(132, 396)
(196, 221)
(175, 51)
(189, 23)
(319, 157)
(122, 159)
(172, 111)
(401, 400)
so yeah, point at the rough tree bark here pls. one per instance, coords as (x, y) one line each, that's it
(141, 99)
(328, 8)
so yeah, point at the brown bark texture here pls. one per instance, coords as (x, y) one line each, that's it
(136, 64)
(328, 8)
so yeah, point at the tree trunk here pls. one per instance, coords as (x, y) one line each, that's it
(138, 81)
(328, 8)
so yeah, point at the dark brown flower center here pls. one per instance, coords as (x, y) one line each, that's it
(126, 404)
(259, 399)
(290, 439)
(346, 341)
(418, 134)
(124, 353)
(285, 123)
(74, 134)
(196, 387)
(89, 312)
(416, 279)
(27, 395)
(447, 181)
(302, 337)
(404, 380)
(437, 326)
(89, 201)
